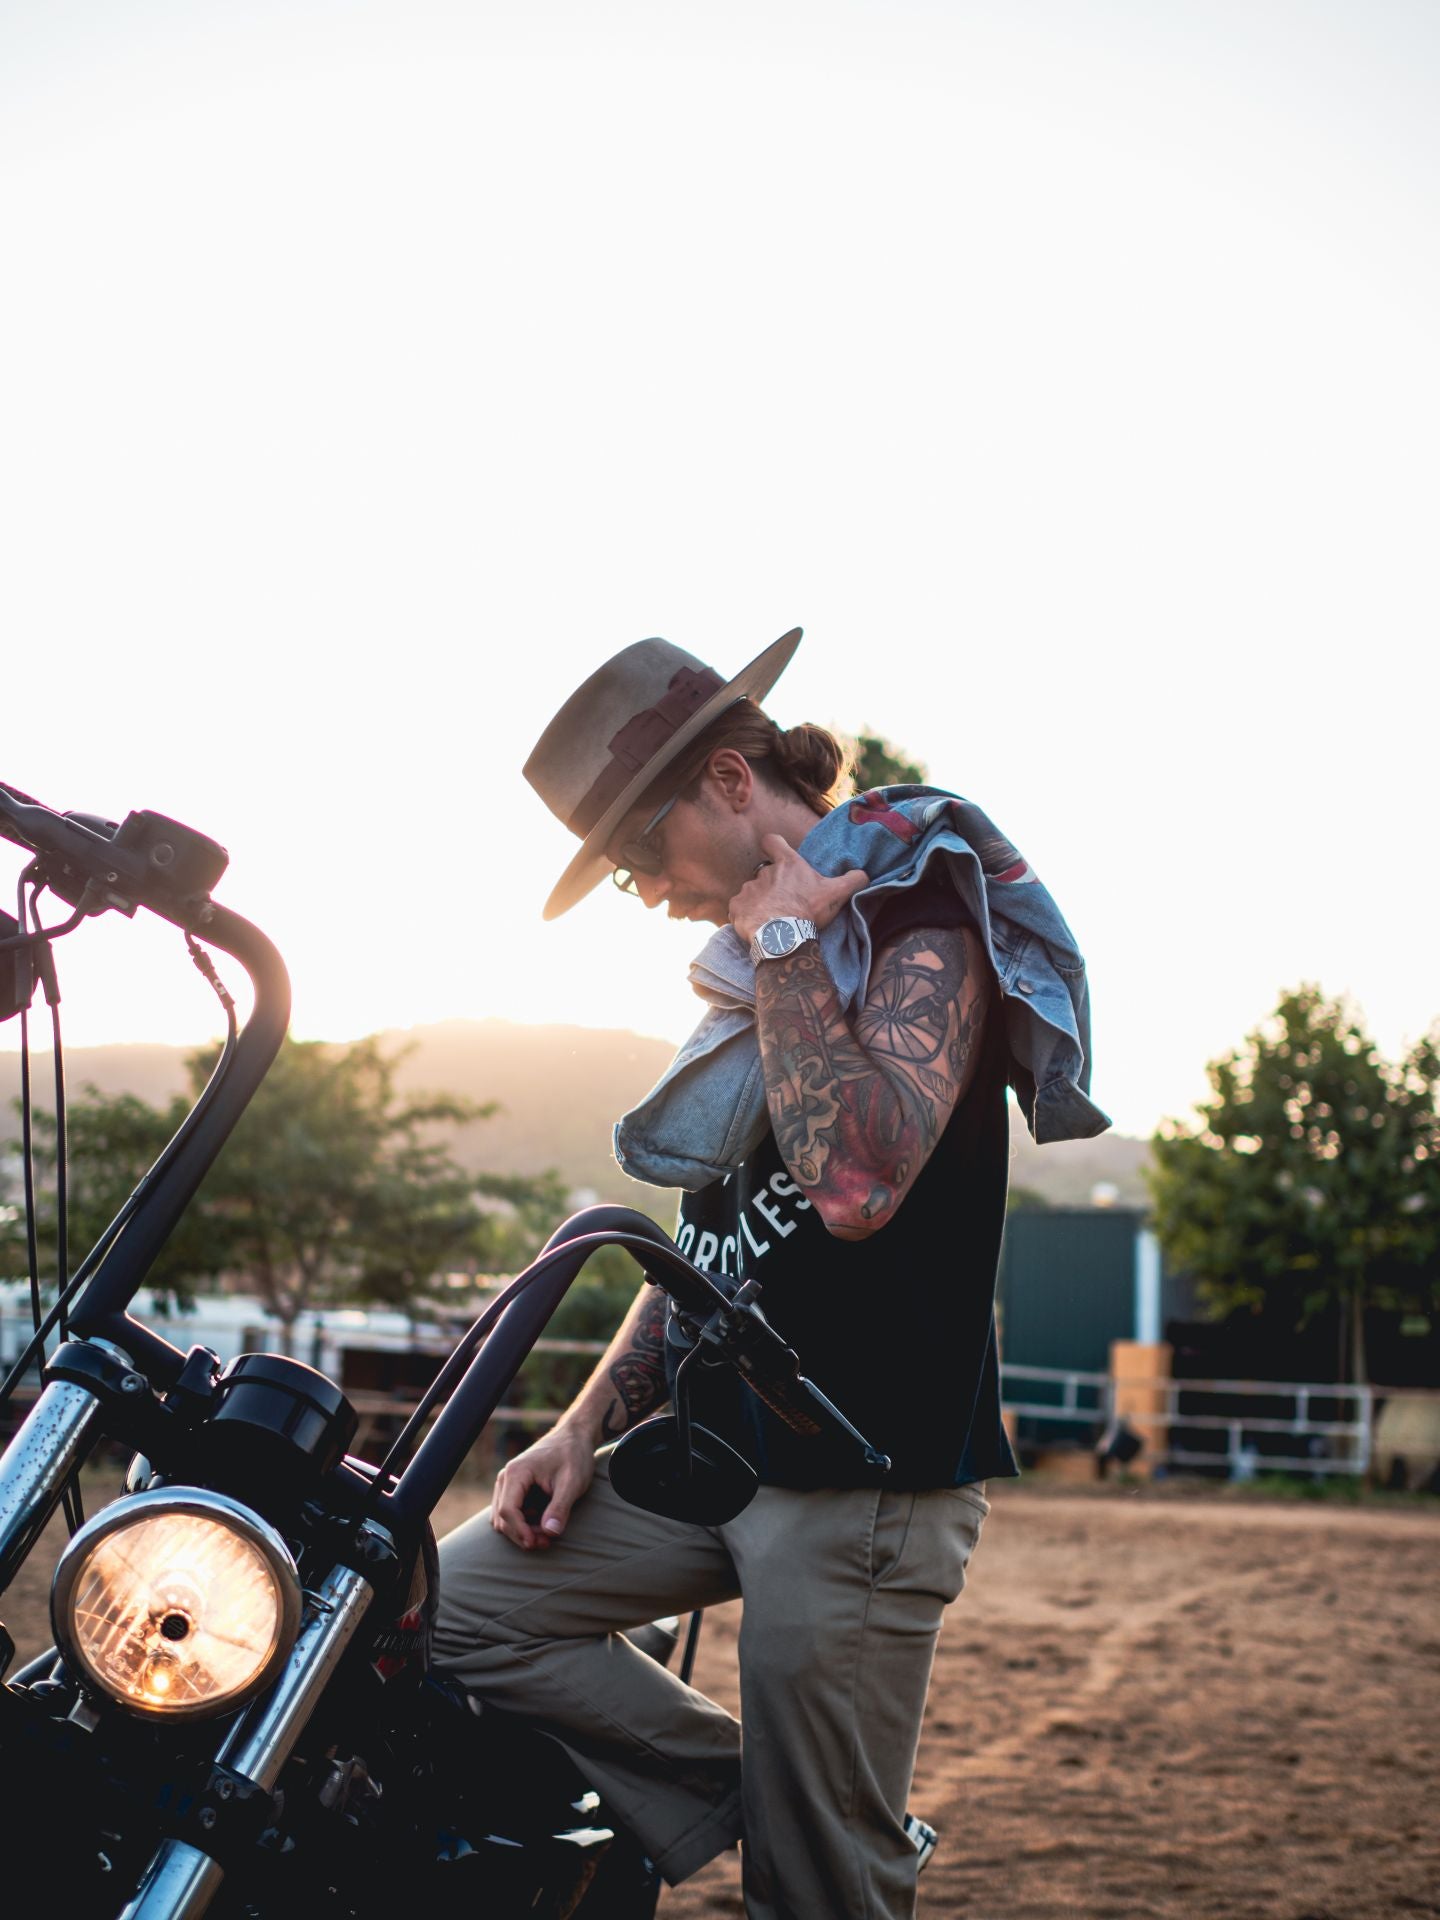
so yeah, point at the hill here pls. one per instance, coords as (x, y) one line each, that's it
(559, 1091)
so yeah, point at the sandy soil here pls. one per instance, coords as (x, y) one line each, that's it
(1147, 1707)
(1157, 1707)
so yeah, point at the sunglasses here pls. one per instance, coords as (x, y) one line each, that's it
(642, 854)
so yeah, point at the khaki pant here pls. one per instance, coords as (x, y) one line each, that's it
(843, 1592)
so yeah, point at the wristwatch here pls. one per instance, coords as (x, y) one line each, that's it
(775, 938)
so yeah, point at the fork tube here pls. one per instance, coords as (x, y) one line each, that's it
(181, 1880)
(262, 1742)
(53, 1440)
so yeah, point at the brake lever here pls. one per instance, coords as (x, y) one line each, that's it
(96, 865)
(740, 1335)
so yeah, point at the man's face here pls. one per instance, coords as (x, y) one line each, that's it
(705, 854)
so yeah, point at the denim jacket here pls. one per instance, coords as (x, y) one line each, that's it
(707, 1112)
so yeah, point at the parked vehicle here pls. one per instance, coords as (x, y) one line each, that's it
(238, 1714)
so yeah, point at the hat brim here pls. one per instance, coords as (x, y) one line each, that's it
(590, 865)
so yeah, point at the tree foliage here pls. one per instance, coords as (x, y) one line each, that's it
(1310, 1182)
(879, 763)
(110, 1143)
(591, 1310)
(330, 1188)
(1026, 1200)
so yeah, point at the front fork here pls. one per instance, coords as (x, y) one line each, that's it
(181, 1880)
(55, 1437)
(59, 1430)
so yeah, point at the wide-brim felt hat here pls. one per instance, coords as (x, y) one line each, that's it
(618, 732)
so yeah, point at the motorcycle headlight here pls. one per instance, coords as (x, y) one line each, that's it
(176, 1602)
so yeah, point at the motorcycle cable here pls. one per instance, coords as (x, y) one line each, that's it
(107, 1239)
(692, 1645)
(50, 986)
(39, 935)
(43, 963)
(27, 1162)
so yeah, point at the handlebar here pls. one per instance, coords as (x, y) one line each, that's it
(154, 862)
(736, 1329)
(147, 860)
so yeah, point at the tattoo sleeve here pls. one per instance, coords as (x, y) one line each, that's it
(637, 1372)
(858, 1105)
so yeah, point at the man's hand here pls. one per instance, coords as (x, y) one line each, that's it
(551, 1475)
(535, 1492)
(788, 886)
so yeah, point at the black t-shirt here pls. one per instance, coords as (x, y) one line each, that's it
(898, 1329)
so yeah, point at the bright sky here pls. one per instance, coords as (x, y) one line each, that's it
(1068, 370)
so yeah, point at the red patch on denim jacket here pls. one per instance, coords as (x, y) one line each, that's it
(873, 808)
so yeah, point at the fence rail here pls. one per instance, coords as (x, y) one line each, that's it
(1339, 1445)
(1238, 1455)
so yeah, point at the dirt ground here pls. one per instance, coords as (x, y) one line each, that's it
(1147, 1706)
(1159, 1707)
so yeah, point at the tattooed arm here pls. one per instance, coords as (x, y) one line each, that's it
(628, 1383)
(858, 1105)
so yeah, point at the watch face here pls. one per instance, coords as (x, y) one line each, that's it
(778, 937)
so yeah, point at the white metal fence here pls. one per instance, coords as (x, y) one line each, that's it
(1065, 1396)
(1327, 1445)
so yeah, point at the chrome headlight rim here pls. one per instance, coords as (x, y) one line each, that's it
(156, 1503)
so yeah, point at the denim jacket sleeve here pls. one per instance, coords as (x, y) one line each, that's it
(707, 1112)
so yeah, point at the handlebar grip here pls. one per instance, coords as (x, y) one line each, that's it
(806, 1410)
(147, 860)
(782, 1404)
(771, 1369)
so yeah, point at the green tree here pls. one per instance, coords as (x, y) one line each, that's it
(879, 763)
(110, 1142)
(1310, 1182)
(591, 1310)
(330, 1187)
(1026, 1200)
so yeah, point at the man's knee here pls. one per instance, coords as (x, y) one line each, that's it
(478, 1570)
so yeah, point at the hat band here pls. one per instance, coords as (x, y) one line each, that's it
(641, 738)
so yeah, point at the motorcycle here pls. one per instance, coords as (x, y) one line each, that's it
(238, 1714)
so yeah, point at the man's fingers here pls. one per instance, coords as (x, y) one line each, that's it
(516, 1486)
(562, 1499)
(537, 1489)
(785, 883)
(837, 891)
(571, 1482)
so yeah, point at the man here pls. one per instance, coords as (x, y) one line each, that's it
(866, 1193)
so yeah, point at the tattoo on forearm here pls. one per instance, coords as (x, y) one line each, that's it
(857, 1109)
(638, 1374)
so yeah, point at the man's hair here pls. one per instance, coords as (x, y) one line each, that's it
(806, 760)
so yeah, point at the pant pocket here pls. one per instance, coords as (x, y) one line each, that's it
(945, 1530)
(973, 1494)
(890, 1534)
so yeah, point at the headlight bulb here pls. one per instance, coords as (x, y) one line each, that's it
(176, 1602)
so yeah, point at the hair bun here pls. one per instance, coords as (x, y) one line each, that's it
(808, 760)
(814, 761)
